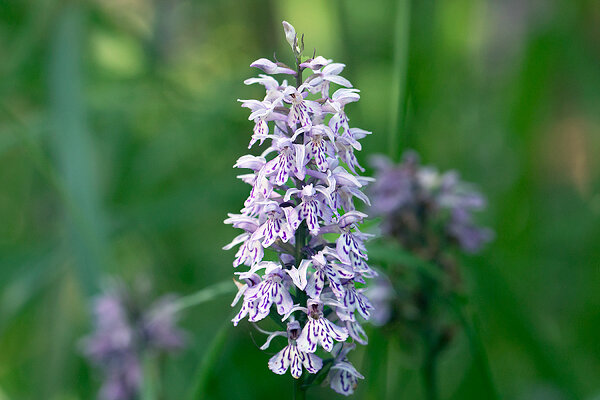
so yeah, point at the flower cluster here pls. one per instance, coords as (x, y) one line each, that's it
(124, 333)
(426, 217)
(301, 216)
(412, 199)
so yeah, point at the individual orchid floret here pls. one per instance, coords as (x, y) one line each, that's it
(345, 150)
(354, 300)
(262, 112)
(274, 289)
(276, 226)
(319, 330)
(313, 207)
(347, 187)
(327, 271)
(351, 244)
(272, 68)
(343, 377)
(249, 305)
(290, 160)
(292, 38)
(336, 106)
(301, 109)
(300, 214)
(321, 79)
(316, 63)
(250, 252)
(319, 141)
(292, 357)
(356, 332)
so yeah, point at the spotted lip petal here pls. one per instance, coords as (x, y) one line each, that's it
(320, 331)
(294, 359)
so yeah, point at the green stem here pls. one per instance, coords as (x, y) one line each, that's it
(301, 235)
(150, 378)
(300, 243)
(432, 340)
(299, 391)
(430, 374)
(298, 72)
(74, 147)
(300, 238)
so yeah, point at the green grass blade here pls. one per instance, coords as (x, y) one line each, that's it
(205, 369)
(479, 378)
(150, 377)
(73, 146)
(202, 296)
(399, 67)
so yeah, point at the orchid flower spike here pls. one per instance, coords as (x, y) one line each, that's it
(303, 190)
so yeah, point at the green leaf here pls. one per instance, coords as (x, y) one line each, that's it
(392, 253)
(479, 377)
(202, 296)
(204, 370)
(73, 146)
(150, 378)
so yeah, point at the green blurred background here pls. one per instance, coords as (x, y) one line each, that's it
(119, 126)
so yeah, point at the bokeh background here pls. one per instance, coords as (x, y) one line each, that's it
(119, 126)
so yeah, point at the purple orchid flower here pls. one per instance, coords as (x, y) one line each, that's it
(343, 377)
(319, 330)
(292, 357)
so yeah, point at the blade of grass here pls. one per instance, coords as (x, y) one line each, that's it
(3, 395)
(205, 369)
(37, 272)
(401, 45)
(377, 363)
(150, 385)
(34, 29)
(204, 295)
(481, 366)
(72, 143)
(27, 136)
(150, 378)
(545, 357)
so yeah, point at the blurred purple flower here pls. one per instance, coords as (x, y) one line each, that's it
(123, 334)
(381, 294)
(411, 198)
(343, 377)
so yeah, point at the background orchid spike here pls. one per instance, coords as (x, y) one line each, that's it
(414, 199)
(427, 217)
(303, 189)
(126, 330)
